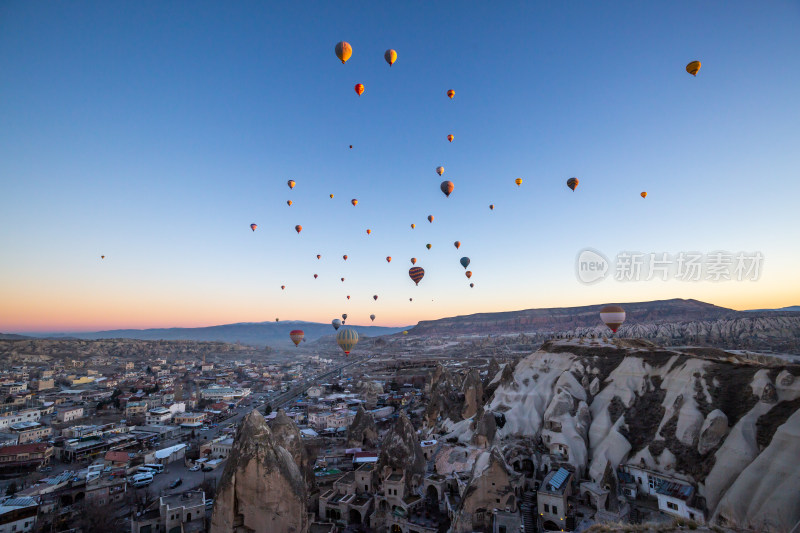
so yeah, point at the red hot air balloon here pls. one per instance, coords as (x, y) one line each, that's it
(369, 231)
(315, 276)
(451, 93)
(354, 202)
(359, 88)
(298, 228)
(297, 336)
(318, 256)
(468, 274)
(253, 227)
(388, 258)
(283, 287)
(344, 257)
(416, 274)
(342, 280)
(450, 137)
(348, 296)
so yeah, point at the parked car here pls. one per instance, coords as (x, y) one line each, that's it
(175, 483)
(195, 468)
(207, 469)
(46, 469)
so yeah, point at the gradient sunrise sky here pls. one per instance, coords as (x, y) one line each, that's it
(154, 133)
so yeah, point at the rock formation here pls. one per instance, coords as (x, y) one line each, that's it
(472, 389)
(490, 482)
(484, 427)
(261, 489)
(362, 432)
(445, 398)
(369, 390)
(287, 434)
(401, 452)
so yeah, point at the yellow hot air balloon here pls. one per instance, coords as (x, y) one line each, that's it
(369, 231)
(289, 203)
(491, 206)
(643, 194)
(450, 137)
(343, 51)
(406, 332)
(440, 170)
(390, 56)
(413, 226)
(354, 202)
(290, 183)
(346, 338)
(451, 93)
(693, 68)
(518, 181)
(331, 196)
(359, 88)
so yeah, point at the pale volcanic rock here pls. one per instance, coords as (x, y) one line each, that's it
(287, 434)
(261, 489)
(401, 452)
(490, 482)
(362, 432)
(484, 428)
(714, 429)
(472, 388)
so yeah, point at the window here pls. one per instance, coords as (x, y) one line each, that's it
(555, 510)
(673, 506)
(366, 487)
(546, 508)
(501, 529)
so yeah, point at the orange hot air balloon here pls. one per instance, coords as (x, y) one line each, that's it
(430, 219)
(369, 231)
(289, 203)
(693, 68)
(318, 256)
(315, 276)
(468, 273)
(413, 226)
(450, 137)
(331, 196)
(518, 181)
(643, 194)
(253, 227)
(359, 89)
(572, 183)
(440, 170)
(354, 202)
(388, 258)
(390, 56)
(413, 260)
(290, 183)
(102, 257)
(344, 257)
(416, 274)
(491, 206)
(283, 287)
(457, 244)
(428, 246)
(375, 297)
(298, 228)
(348, 296)
(451, 93)
(297, 336)
(447, 188)
(343, 51)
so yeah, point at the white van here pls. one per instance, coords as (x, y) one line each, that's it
(145, 470)
(157, 469)
(141, 480)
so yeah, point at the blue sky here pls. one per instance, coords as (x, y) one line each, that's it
(155, 133)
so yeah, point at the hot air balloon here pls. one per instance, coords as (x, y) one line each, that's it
(471, 285)
(342, 280)
(388, 258)
(297, 336)
(413, 260)
(283, 287)
(343, 51)
(298, 228)
(375, 297)
(572, 183)
(464, 262)
(468, 273)
(344, 316)
(693, 68)
(277, 319)
(359, 88)
(346, 338)
(416, 274)
(331, 196)
(102, 257)
(390, 56)
(491, 206)
(289, 203)
(348, 296)
(447, 188)
(413, 226)
(253, 227)
(290, 183)
(351, 146)
(315, 276)
(518, 181)
(372, 317)
(450, 137)
(354, 202)
(344, 257)
(451, 93)
(336, 323)
(428, 246)
(405, 333)
(457, 244)
(411, 299)
(369, 231)
(430, 219)
(612, 316)
(318, 256)
(440, 170)
(643, 194)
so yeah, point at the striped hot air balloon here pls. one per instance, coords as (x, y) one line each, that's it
(693, 68)
(297, 336)
(343, 51)
(572, 183)
(450, 137)
(346, 338)
(451, 93)
(416, 274)
(612, 316)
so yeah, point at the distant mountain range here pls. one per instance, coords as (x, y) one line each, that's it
(790, 309)
(273, 334)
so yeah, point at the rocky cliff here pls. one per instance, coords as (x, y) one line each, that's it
(490, 483)
(287, 435)
(724, 424)
(401, 452)
(362, 432)
(261, 489)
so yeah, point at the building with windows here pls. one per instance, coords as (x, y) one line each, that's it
(24, 456)
(18, 515)
(218, 394)
(178, 513)
(69, 414)
(552, 498)
(23, 415)
(30, 431)
(158, 415)
(222, 448)
(189, 420)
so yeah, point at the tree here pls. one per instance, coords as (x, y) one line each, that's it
(12, 489)
(98, 519)
(267, 409)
